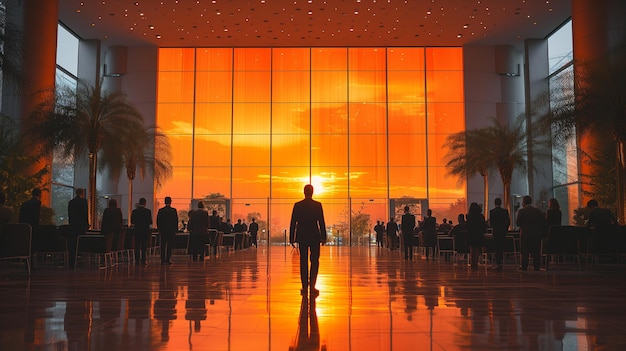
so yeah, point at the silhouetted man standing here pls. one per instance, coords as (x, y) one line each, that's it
(167, 223)
(77, 211)
(308, 229)
(407, 225)
(532, 225)
(141, 217)
(499, 221)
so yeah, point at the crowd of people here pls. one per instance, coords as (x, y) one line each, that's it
(469, 232)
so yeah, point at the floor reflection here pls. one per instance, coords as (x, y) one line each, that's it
(370, 299)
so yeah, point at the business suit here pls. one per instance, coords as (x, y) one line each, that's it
(532, 223)
(308, 229)
(408, 225)
(77, 211)
(141, 218)
(111, 225)
(199, 224)
(30, 212)
(499, 220)
(167, 223)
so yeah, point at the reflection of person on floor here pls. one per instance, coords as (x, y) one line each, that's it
(165, 305)
(308, 229)
(308, 336)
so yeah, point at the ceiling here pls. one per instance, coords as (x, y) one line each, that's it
(312, 23)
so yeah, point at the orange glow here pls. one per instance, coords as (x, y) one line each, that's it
(365, 124)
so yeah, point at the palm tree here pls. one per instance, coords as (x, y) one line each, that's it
(15, 180)
(503, 147)
(595, 110)
(88, 121)
(148, 151)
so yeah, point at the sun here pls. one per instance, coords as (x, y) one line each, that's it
(318, 184)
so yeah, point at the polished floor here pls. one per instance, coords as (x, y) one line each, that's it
(370, 299)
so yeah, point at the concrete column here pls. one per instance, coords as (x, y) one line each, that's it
(39, 65)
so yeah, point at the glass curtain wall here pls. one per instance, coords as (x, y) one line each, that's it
(565, 173)
(63, 169)
(250, 127)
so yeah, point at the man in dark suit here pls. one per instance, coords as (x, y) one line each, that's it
(167, 223)
(308, 229)
(198, 226)
(407, 225)
(392, 234)
(532, 223)
(77, 211)
(141, 218)
(30, 210)
(499, 221)
(253, 230)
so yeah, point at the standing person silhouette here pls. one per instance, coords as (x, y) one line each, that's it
(408, 225)
(77, 211)
(167, 223)
(308, 229)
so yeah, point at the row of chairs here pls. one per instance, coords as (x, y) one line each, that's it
(15, 243)
(214, 242)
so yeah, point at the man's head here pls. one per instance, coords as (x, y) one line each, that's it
(200, 204)
(142, 201)
(36, 193)
(591, 204)
(80, 192)
(407, 209)
(527, 200)
(497, 201)
(429, 212)
(168, 200)
(308, 191)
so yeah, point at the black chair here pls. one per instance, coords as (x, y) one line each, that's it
(15, 242)
(605, 243)
(48, 246)
(461, 246)
(561, 243)
(92, 247)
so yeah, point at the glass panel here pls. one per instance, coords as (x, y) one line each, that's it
(290, 86)
(367, 118)
(174, 118)
(251, 150)
(289, 59)
(67, 50)
(213, 87)
(291, 150)
(329, 86)
(175, 87)
(328, 118)
(407, 118)
(330, 182)
(367, 86)
(214, 59)
(444, 86)
(406, 86)
(366, 59)
(444, 59)
(329, 150)
(249, 180)
(211, 180)
(291, 118)
(252, 86)
(368, 182)
(368, 150)
(251, 118)
(212, 150)
(407, 150)
(288, 182)
(329, 59)
(213, 118)
(402, 59)
(407, 182)
(443, 186)
(176, 60)
(446, 118)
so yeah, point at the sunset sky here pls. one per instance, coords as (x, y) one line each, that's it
(361, 124)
